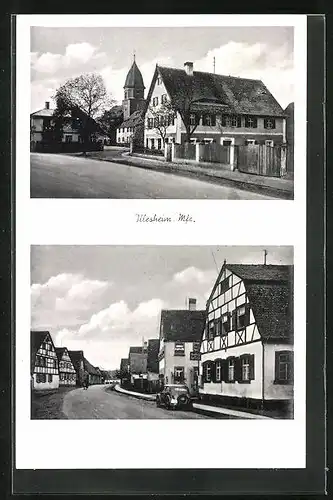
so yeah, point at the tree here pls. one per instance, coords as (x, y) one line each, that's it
(110, 121)
(159, 119)
(84, 97)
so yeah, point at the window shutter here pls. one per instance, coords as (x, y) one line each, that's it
(239, 121)
(234, 320)
(204, 372)
(238, 370)
(277, 358)
(292, 366)
(255, 122)
(265, 122)
(252, 367)
(213, 118)
(247, 314)
(213, 371)
(224, 370)
(223, 120)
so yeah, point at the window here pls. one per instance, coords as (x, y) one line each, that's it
(159, 143)
(179, 374)
(250, 122)
(194, 119)
(225, 323)
(231, 369)
(164, 98)
(155, 101)
(68, 138)
(209, 120)
(269, 143)
(207, 371)
(179, 349)
(218, 370)
(150, 122)
(241, 317)
(245, 369)
(231, 121)
(225, 285)
(156, 122)
(159, 80)
(171, 119)
(211, 329)
(41, 378)
(284, 367)
(50, 378)
(269, 123)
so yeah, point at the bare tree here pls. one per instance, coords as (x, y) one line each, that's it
(84, 97)
(159, 119)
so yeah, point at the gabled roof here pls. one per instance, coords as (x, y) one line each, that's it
(134, 78)
(60, 352)
(90, 368)
(182, 325)
(36, 338)
(76, 357)
(272, 306)
(261, 272)
(46, 112)
(270, 292)
(134, 119)
(231, 94)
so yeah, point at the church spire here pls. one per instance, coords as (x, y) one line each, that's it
(134, 55)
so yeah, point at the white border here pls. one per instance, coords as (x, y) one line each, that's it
(112, 443)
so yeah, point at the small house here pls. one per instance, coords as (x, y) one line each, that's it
(44, 361)
(67, 373)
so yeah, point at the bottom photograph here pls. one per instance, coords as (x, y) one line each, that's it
(162, 332)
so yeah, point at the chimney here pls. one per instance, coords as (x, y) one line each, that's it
(47, 105)
(192, 304)
(189, 68)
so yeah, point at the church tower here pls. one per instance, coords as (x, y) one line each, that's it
(133, 91)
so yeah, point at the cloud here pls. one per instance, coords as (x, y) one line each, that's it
(76, 54)
(192, 274)
(62, 299)
(108, 334)
(258, 61)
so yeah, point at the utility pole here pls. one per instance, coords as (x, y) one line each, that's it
(214, 63)
(265, 257)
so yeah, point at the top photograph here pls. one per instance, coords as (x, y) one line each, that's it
(162, 112)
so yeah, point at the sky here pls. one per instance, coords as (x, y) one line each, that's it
(57, 54)
(104, 299)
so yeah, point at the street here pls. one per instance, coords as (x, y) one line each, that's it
(61, 176)
(97, 403)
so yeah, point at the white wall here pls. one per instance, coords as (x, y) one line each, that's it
(47, 385)
(182, 361)
(275, 391)
(236, 389)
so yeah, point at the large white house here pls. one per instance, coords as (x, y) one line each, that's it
(247, 344)
(223, 109)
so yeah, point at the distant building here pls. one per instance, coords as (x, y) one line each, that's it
(137, 362)
(77, 358)
(223, 109)
(43, 132)
(44, 361)
(67, 373)
(153, 364)
(180, 335)
(124, 371)
(247, 345)
(133, 107)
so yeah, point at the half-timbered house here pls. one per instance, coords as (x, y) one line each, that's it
(67, 373)
(179, 355)
(44, 361)
(77, 358)
(247, 344)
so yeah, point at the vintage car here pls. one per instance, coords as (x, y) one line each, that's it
(174, 396)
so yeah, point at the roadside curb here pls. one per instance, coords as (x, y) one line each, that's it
(139, 395)
(225, 181)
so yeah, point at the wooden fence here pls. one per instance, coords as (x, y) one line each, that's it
(260, 159)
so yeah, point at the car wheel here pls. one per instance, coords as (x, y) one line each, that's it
(168, 404)
(158, 402)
